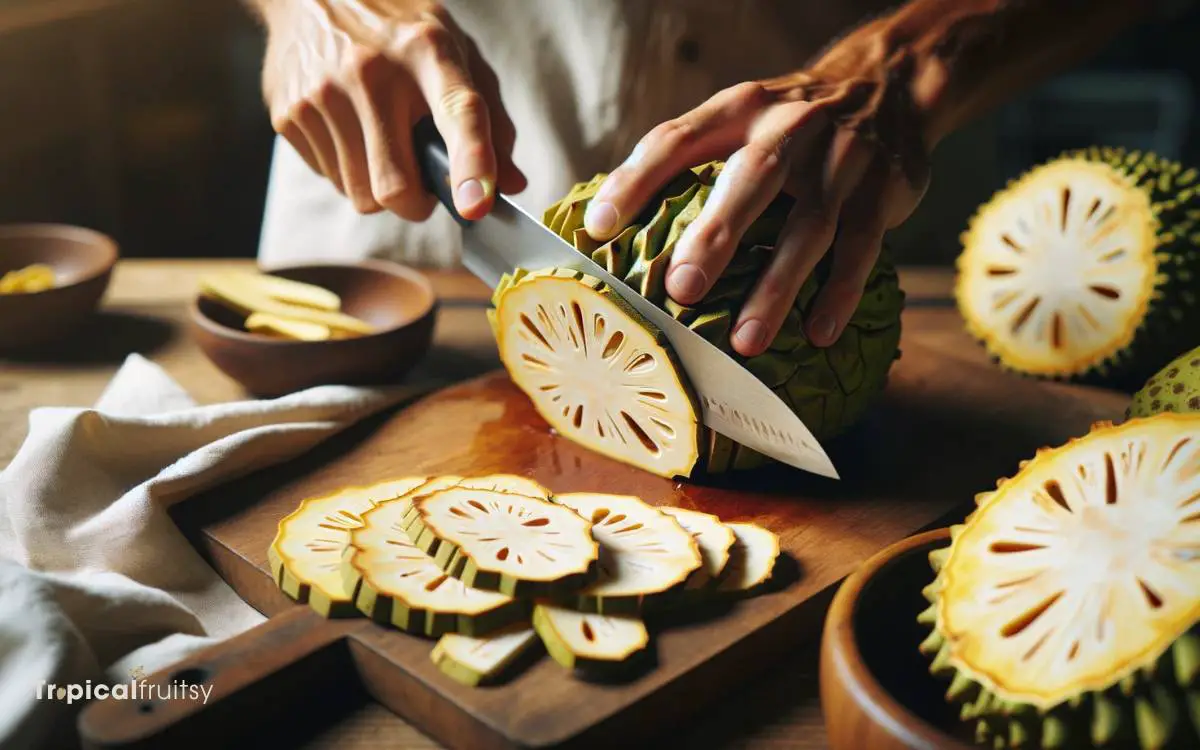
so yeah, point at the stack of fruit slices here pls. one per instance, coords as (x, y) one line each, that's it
(490, 566)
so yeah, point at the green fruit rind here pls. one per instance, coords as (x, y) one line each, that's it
(396, 607)
(1154, 707)
(608, 654)
(830, 389)
(340, 513)
(1171, 317)
(456, 562)
(459, 656)
(1174, 388)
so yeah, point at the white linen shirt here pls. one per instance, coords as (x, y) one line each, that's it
(583, 81)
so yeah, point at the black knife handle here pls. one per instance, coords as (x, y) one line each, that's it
(434, 161)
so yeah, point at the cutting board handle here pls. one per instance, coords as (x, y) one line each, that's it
(199, 701)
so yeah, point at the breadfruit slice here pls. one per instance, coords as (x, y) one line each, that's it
(597, 372)
(714, 539)
(287, 328)
(1175, 387)
(1069, 273)
(247, 298)
(505, 542)
(395, 582)
(586, 641)
(751, 559)
(644, 553)
(830, 388)
(286, 290)
(1066, 610)
(306, 554)
(484, 660)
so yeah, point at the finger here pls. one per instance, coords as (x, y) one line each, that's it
(316, 132)
(347, 135)
(710, 131)
(804, 240)
(750, 180)
(509, 177)
(460, 113)
(292, 133)
(855, 251)
(382, 96)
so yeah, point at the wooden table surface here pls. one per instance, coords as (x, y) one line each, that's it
(145, 311)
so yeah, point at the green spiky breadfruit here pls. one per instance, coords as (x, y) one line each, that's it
(1175, 387)
(831, 388)
(1065, 613)
(1085, 268)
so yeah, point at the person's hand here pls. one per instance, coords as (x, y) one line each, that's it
(841, 139)
(346, 81)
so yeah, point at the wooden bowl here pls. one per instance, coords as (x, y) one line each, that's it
(876, 690)
(82, 259)
(398, 300)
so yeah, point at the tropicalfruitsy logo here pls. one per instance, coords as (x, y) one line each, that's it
(137, 689)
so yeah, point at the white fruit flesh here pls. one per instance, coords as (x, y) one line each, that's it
(513, 536)
(473, 661)
(714, 538)
(751, 559)
(573, 637)
(1083, 567)
(642, 551)
(597, 374)
(392, 566)
(1057, 272)
(306, 554)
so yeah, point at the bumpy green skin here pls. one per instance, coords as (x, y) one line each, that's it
(1153, 709)
(1176, 388)
(454, 561)
(830, 389)
(384, 609)
(1172, 322)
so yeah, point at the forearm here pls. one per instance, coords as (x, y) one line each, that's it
(955, 59)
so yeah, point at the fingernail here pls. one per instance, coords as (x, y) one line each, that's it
(600, 218)
(822, 329)
(751, 334)
(472, 192)
(686, 282)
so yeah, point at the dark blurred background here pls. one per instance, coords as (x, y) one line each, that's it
(143, 118)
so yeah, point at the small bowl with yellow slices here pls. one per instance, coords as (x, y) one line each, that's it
(52, 278)
(277, 332)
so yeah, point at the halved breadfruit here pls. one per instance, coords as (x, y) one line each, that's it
(597, 372)
(644, 554)
(714, 539)
(830, 388)
(395, 582)
(589, 642)
(1074, 272)
(501, 541)
(1066, 610)
(306, 554)
(751, 559)
(483, 660)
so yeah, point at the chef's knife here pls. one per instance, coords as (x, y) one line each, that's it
(733, 401)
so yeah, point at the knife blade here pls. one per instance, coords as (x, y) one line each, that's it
(733, 402)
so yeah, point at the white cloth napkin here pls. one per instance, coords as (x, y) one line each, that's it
(95, 579)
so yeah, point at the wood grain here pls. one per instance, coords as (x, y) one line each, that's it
(145, 310)
(944, 431)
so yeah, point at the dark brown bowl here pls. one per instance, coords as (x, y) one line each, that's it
(397, 300)
(82, 259)
(876, 690)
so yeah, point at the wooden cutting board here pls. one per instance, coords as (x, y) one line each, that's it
(945, 430)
